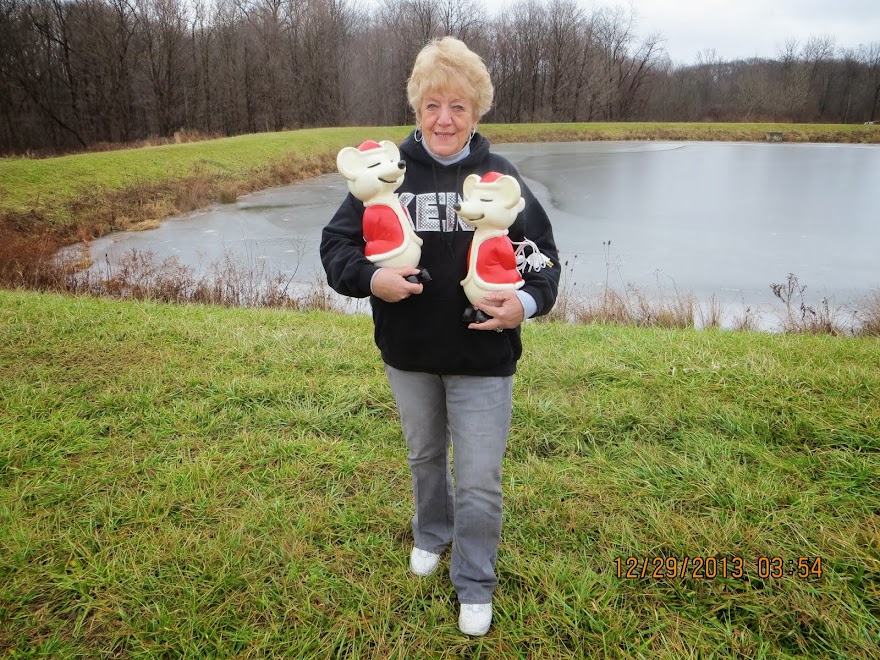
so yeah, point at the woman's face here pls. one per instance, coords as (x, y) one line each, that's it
(446, 118)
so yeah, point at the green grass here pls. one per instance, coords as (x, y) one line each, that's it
(208, 482)
(69, 190)
(50, 186)
(699, 131)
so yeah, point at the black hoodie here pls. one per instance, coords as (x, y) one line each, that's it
(425, 332)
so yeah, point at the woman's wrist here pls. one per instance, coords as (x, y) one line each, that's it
(530, 306)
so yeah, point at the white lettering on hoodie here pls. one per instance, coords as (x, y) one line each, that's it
(427, 215)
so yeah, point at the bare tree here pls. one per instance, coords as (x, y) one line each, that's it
(461, 19)
(164, 23)
(624, 71)
(818, 56)
(869, 56)
(564, 53)
(201, 46)
(407, 27)
(77, 72)
(41, 63)
(327, 28)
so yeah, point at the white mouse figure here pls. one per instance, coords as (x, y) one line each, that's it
(374, 171)
(490, 205)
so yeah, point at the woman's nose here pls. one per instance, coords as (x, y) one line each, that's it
(445, 115)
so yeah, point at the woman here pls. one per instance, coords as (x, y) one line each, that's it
(452, 380)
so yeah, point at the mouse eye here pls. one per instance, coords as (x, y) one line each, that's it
(369, 167)
(488, 201)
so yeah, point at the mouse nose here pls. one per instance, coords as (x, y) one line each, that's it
(401, 164)
(457, 207)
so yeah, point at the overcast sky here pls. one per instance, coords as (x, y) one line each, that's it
(746, 28)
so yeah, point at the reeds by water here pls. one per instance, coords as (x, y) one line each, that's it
(243, 281)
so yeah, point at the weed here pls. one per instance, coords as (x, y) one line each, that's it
(567, 298)
(801, 317)
(746, 321)
(868, 315)
(228, 194)
(634, 306)
(710, 314)
(318, 297)
(25, 255)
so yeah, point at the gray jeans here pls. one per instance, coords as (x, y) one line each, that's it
(471, 414)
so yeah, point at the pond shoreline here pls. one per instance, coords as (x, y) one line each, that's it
(82, 196)
(663, 266)
(34, 232)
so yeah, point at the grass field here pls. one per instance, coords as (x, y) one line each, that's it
(54, 180)
(99, 192)
(207, 482)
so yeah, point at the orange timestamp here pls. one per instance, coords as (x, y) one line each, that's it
(710, 568)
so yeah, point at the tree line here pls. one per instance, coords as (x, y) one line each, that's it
(76, 73)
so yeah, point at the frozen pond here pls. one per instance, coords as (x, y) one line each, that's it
(727, 219)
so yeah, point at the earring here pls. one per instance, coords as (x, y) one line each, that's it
(417, 134)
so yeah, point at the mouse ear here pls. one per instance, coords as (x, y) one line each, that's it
(468, 186)
(348, 162)
(510, 191)
(390, 149)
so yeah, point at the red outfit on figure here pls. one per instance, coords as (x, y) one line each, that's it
(382, 230)
(496, 262)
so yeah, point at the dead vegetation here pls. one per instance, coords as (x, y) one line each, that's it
(28, 242)
(231, 281)
(29, 248)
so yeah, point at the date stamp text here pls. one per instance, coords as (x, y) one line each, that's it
(710, 568)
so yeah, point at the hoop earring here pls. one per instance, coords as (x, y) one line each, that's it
(417, 134)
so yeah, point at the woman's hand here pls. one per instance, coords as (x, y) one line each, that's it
(389, 284)
(505, 309)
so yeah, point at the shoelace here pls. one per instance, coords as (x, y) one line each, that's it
(471, 610)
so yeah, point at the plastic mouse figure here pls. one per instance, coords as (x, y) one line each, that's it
(374, 171)
(490, 205)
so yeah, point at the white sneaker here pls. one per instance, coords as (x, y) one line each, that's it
(422, 562)
(475, 620)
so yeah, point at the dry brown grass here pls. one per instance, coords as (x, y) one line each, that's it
(98, 214)
(868, 315)
(637, 307)
(746, 321)
(231, 281)
(236, 281)
(631, 307)
(24, 252)
(799, 316)
(28, 242)
(710, 314)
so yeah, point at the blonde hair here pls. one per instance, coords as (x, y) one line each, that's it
(446, 64)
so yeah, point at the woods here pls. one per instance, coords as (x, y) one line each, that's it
(78, 73)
